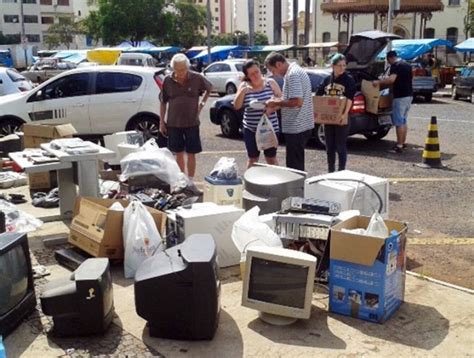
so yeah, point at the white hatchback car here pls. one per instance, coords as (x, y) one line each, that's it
(225, 76)
(95, 100)
(11, 81)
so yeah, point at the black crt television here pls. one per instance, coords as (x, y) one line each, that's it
(17, 292)
(81, 304)
(178, 291)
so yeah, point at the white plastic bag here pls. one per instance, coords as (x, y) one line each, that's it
(265, 135)
(249, 231)
(225, 168)
(377, 227)
(140, 235)
(152, 160)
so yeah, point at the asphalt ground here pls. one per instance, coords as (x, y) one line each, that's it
(438, 204)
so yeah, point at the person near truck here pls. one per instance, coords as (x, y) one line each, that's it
(180, 97)
(296, 106)
(400, 78)
(340, 83)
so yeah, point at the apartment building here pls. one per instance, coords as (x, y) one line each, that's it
(221, 14)
(34, 15)
(263, 15)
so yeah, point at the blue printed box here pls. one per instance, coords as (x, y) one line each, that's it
(366, 273)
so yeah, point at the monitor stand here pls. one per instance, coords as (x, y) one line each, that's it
(276, 320)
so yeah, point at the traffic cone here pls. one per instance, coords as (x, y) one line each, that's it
(431, 154)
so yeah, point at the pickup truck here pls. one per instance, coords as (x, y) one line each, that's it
(47, 68)
(424, 85)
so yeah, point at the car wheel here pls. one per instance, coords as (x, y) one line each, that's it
(150, 128)
(454, 93)
(377, 134)
(230, 88)
(9, 126)
(319, 136)
(428, 97)
(229, 123)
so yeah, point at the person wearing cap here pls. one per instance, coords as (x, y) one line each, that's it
(400, 78)
(340, 83)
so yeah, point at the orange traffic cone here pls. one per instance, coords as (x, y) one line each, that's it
(431, 153)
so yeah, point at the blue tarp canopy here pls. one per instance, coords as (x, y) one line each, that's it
(410, 49)
(74, 56)
(145, 47)
(466, 46)
(221, 53)
(271, 48)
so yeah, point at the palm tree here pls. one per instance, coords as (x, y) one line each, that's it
(307, 10)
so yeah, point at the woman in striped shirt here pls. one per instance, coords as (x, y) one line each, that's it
(256, 87)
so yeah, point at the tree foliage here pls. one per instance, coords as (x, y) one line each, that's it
(9, 39)
(63, 32)
(239, 38)
(187, 20)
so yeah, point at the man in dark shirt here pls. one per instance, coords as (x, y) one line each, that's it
(401, 78)
(180, 98)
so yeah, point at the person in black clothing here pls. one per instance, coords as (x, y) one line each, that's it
(340, 83)
(401, 78)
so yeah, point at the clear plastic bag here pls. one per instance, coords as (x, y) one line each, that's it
(140, 235)
(265, 135)
(225, 168)
(152, 160)
(249, 231)
(377, 227)
(17, 220)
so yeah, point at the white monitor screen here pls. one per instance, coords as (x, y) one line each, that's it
(278, 282)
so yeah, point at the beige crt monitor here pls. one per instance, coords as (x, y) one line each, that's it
(279, 284)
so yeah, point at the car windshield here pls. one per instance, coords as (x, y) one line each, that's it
(15, 76)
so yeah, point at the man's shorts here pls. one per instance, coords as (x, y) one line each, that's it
(400, 108)
(184, 140)
(251, 146)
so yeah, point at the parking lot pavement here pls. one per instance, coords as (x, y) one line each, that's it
(435, 320)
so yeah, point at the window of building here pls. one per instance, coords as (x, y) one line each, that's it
(11, 18)
(33, 38)
(79, 13)
(326, 38)
(216, 18)
(9, 1)
(343, 37)
(46, 2)
(30, 19)
(301, 39)
(452, 35)
(63, 2)
(29, 1)
(454, 2)
(47, 20)
(217, 28)
(429, 33)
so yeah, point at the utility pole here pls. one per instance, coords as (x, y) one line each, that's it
(295, 23)
(209, 29)
(389, 22)
(277, 22)
(251, 8)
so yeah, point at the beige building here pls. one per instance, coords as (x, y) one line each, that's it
(221, 13)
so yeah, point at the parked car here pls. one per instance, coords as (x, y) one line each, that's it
(95, 100)
(11, 81)
(424, 85)
(47, 68)
(361, 54)
(137, 59)
(463, 85)
(225, 76)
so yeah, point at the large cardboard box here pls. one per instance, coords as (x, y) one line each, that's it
(367, 274)
(35, 134)
(98, 230)
(372, 96)
(328, 109)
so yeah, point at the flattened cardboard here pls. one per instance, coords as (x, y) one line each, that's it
(372, 96)
(98, 230)
(329, 109)
(48, 131)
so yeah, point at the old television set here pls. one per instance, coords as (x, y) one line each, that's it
(279, 284)
(178, 291)
(17, 293)
(81, 304)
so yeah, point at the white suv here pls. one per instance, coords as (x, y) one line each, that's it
(95, 100)
(225, 76)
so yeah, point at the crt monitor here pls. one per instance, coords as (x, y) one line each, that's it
(178, 291)
(279, 284)
(17, 293)
(83, 303)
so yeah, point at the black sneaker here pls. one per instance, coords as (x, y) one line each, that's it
(396, 149)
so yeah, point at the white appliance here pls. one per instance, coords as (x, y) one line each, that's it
(113, 141)
(209, 218)
(350, 194)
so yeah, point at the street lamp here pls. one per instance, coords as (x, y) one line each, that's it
(237, 35)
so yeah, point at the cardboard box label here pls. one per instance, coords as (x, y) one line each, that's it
(328, 110)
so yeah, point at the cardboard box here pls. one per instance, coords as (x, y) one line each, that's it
(372, 95)
(98, 230)
(367, 274)
(39, 181)
(328, 109)
(385, 102)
